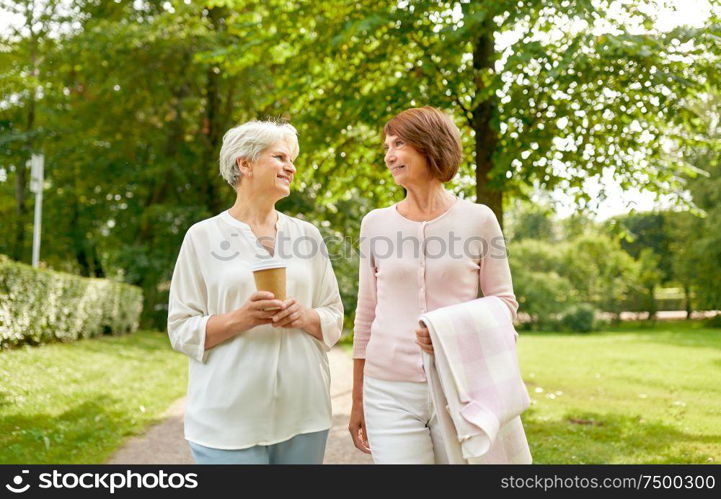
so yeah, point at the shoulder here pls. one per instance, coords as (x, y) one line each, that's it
(479, 218)
(476, 212)
(478, 209)
(204, 231)
(377, 216)
(202, 227)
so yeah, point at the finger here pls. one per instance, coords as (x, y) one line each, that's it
(365, 446)
(423, 340)
(266, 304)
(358, 440)
(283, 316)
(291, 322)
(425, 348)
(262, 295)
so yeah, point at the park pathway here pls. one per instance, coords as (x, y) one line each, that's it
(163, 443)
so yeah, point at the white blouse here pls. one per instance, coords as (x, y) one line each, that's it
(267, 384)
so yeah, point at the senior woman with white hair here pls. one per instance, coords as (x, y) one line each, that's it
(259, 382)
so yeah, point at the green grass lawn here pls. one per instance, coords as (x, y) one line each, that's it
(634, 394)
(78, 402)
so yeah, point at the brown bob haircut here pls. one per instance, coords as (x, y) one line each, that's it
(433, 134)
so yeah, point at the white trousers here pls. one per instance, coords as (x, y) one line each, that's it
(401, 423)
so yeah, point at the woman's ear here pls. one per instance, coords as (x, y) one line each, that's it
(244, 166)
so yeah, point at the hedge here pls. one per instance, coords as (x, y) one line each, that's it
(39, 306)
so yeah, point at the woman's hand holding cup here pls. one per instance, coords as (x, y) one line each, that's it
(254, 312)
(292, 315)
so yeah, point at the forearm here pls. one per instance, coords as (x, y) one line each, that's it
(221, 327)
(312, 324)
(358, 365)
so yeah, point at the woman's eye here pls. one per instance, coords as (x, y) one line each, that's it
(399, 143)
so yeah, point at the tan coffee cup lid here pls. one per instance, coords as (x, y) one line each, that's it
(270, 264)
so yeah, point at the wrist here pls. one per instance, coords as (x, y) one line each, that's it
(311, 322)
(236, 321)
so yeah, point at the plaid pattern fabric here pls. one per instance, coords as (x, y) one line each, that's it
(476, 383)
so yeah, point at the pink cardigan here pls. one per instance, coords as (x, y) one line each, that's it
(408, 268)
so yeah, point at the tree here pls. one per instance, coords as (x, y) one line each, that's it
(647, 230)
(23, 81)
(702, 257)
(134, 105)
(600, 271)
(650, 276)
(547, 93)
(531, 221)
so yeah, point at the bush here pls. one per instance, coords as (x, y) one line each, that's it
(38, 306)
(579, 318)
(714, 321)
(541, 295)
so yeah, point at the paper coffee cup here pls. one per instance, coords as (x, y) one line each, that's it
(270, 276)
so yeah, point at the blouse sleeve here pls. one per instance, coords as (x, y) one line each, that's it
(366, 307)
(495, 274)
(326, 297)
(187, 304)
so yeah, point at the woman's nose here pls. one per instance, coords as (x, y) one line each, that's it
(290, 167)
(389, 157)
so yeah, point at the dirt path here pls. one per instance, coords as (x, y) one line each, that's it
(163, 443)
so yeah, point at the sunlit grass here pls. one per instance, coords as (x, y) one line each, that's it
(635, 394)
(78, 402)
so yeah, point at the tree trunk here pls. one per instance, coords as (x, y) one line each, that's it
(214, 128)
(78, 238)
(687, 297)
(482, 116)
(97, 267)
(21, 178)
(20, 211)
(651, 303)
(21, 170)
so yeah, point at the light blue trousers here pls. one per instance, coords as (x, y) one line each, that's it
(306, 448)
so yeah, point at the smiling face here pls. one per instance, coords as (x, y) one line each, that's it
(406, 164)
(273, 171)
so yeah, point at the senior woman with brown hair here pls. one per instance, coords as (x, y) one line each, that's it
(259, 381)
(409, 265)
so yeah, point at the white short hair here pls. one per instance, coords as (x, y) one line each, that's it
(248, 141)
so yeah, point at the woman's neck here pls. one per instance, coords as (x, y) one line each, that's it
(253, 210)
(427, 199)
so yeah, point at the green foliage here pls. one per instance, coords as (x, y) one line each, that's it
(531, 221)
(714, 321)
(579, 318)
(541, 292)
(600, 272)
(641, 231)
(129, 101)
(548, 278)
(543, 296)
(39, 306)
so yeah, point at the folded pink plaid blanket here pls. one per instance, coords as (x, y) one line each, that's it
(476, 384)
